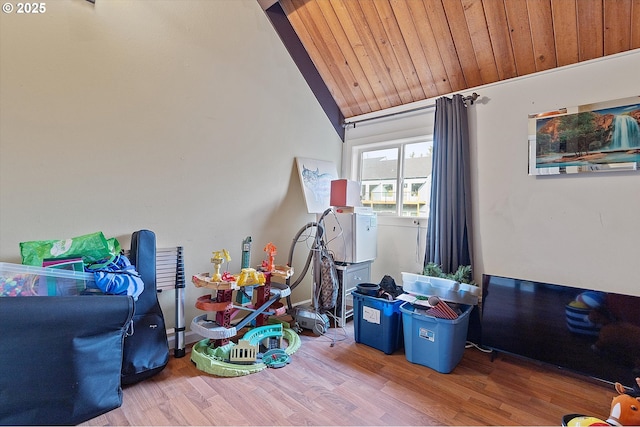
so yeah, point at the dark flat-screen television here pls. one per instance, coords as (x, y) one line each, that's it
(587, 332)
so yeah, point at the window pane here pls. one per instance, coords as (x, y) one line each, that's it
(396, 179)
(379, 179)
(417, 179)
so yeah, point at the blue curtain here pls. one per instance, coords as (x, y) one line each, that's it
(449, 226)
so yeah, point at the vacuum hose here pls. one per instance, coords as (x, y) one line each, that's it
(317, 242)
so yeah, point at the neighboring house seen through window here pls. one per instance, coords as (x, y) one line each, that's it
(395, 177)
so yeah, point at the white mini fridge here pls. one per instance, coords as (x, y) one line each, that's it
(352, 237)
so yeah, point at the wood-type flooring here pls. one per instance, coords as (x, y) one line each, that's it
(332, 380)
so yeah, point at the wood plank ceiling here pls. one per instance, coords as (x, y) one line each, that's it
(377, 54)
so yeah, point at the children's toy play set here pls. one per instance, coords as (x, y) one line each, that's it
(257, 299)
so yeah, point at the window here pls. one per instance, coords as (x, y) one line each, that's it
(395, 177)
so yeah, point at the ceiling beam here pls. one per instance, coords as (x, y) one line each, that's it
(298, 53)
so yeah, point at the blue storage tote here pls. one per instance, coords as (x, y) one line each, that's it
(377, 322)
(434, 342)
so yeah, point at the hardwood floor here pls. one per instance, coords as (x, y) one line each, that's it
(352, 384)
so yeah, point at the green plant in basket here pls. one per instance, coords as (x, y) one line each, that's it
(461, 275)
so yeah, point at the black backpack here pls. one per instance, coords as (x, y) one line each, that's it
(146, 350)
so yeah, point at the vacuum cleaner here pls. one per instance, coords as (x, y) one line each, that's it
(325, 281)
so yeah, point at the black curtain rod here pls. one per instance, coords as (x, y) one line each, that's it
(471, 98)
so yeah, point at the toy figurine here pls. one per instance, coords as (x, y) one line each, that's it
(218, 257)
(625, 410)
(625, 407)
(271, 251)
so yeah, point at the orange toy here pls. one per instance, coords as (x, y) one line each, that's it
(271, 251)
(625, 410)
(625, 407)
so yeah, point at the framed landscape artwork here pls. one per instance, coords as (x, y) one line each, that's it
(589, 138)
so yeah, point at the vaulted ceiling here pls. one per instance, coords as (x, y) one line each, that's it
(377, 54)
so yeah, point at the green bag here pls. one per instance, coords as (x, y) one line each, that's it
(92, 248)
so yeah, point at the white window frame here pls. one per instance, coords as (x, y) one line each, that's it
(400, 144)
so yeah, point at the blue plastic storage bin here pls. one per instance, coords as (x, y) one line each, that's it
(377, 322)
(433, 342)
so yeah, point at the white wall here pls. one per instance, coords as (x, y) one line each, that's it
(579, 230)
(183, 117)
(576, 230)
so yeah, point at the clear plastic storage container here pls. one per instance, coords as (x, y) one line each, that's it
(445, 289)
(25, 280)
